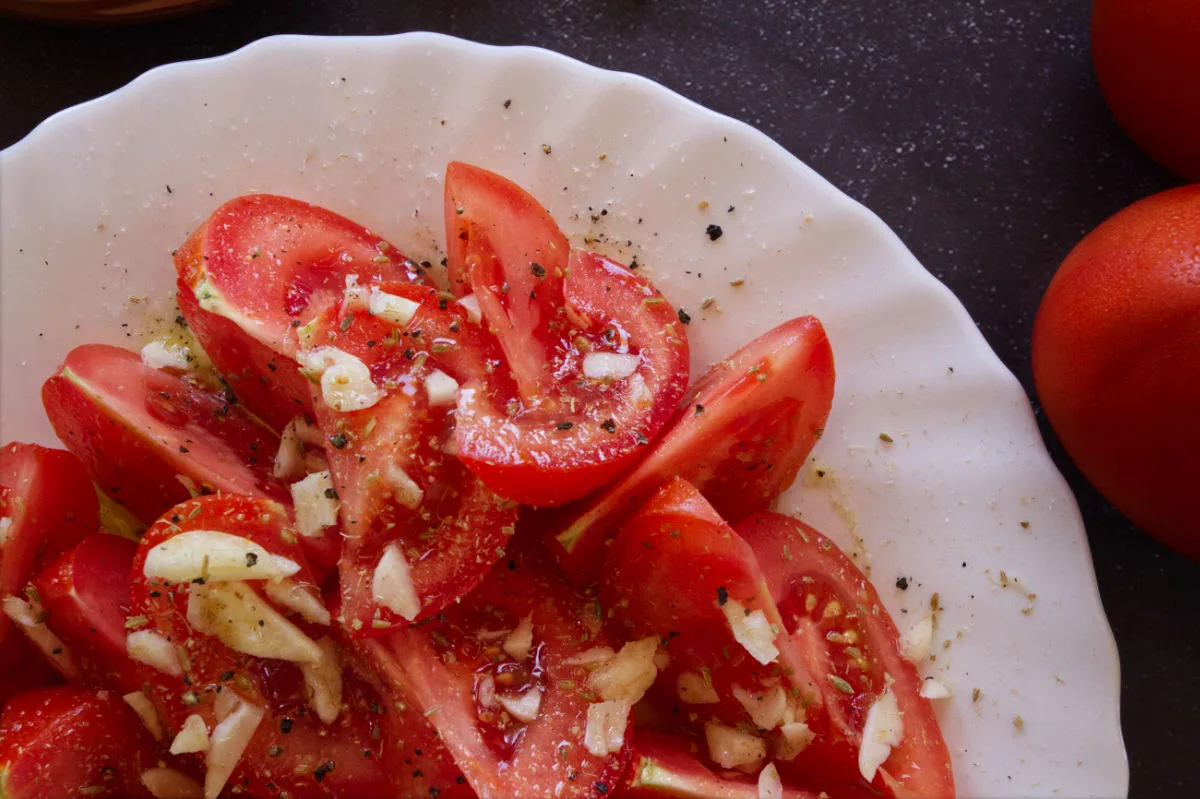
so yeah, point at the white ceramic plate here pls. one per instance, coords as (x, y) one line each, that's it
(964, 500)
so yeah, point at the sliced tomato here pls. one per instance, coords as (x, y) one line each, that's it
(666, 765)
(68, 742)
(847, 639)
(86, 593)
(47, 505)
(453, 668)
(22, 668)
(599, 358)
(153, 437)
(260, 266)
(391, 462)
(740, 437)
(679, 572)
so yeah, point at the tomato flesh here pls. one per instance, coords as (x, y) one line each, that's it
(740, 437)
(847, 639)
(259, 264)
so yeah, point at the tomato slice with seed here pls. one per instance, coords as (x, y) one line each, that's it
(72, 741)
(260, 265)
(598, 356)
(740, 437)
(152, 438)
(442, 668)
(847, 639)
(676, 571)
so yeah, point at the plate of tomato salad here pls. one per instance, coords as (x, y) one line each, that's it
(637, 537)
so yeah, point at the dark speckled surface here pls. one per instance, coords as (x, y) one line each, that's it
(975, 129)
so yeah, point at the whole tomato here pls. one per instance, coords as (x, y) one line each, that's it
(1116, 360)
(1144, 52)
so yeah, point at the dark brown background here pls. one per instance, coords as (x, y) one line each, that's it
(975, 129)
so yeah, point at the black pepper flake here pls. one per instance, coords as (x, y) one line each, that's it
(184, 449)
(320, 771)
(251, 559)
(609, 426)
(410, 353)
(435, 792)
(564, 425)
(226, 676)
(538, 270)
(275, 751)
(508, 103)
(685, 317)
(285, 726)
(714, 232)
(331, 493)
(902, 583)
(459, 780)
(443, 303)
(722, 596)
(339, 441)
(601, 787)
(699, 409)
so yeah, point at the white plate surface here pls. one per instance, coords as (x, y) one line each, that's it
(365, 126)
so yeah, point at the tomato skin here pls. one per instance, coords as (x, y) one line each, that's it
(1144, 56)
(137, 428)
(86, 592)
(1116, 361)
(55, 742)
(259, 263)
(798, 562)
(52, 506)
(739, 439)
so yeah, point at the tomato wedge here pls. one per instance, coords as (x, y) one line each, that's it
(47, 505)
(468, 673)
(663, 765)
(679, 572)
(834, 616)
(740, 437)
(67, 742)
(260, 265)
(598, 356)
(391, 461)
(22, 668)
(86, 593)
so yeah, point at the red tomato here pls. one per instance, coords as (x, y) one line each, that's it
(291, 751)
(559, 318)
(391, 466)
(22, 668)
(664, 765)
(442, 668)
(140, 429)
(260, 266)
(1115, 360)
(86, 593)
(740, 437)
(822, 593)
(1144, 54)
(673, 570)
(49, 506)
(67, 742)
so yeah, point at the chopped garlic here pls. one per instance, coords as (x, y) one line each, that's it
(609, 365)
(639, 394)
(592, 658)
(355, 296)
(192, 737)
(470, 304)
(485, 692)
(524, 707)
(629, 674)
(153, 649)
(161, 355)
(145, 710)
(404, 489)
(392, 584)
(304, 600)
(5, 523)
(766, 711)
(291, 461)
(694, 689)
(214, 556)
(769, 784)
(391, 308)
(323, 680)
(606, 725)
(914, 644)
(167, 783)
(239, 618)
(228, 742)
(794, 738)
(933, 689)
(315, 503)
(441, 388)
(29, 619)
(346, 383)
(226, 702)
(883, 729)
(752, 631)
(520, 641)
(730, 747)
